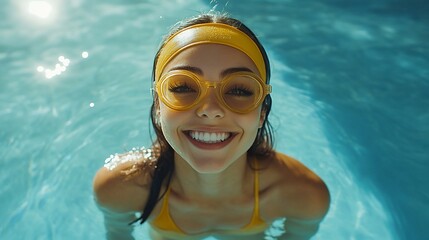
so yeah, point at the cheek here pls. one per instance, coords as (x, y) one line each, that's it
(165, 118)
(250, 124)
(170, 123)
(255, 117)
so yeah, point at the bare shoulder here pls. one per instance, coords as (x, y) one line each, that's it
(122, 184)
(299, 192)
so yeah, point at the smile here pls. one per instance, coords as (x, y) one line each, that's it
(209, 140)
(209, 137)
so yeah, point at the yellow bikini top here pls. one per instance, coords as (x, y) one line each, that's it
(167, 227)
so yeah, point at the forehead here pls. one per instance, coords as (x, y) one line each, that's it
(211, 59)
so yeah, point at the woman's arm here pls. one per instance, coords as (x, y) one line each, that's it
(116, 224)
(308, 201)
(300, 229)
(118, 198)
(313, 211)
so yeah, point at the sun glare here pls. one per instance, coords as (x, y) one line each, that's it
(41, 9)
(60, 67)
(85, 54)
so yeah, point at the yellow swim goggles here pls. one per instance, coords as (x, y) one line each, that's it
(240, 92)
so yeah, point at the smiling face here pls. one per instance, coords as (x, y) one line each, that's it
(208, 136)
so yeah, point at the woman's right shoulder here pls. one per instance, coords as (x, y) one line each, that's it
(123, 183)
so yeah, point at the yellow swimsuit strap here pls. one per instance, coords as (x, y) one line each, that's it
(163, 221)
(256, 220)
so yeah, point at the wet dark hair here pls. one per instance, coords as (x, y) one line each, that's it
(164, 168)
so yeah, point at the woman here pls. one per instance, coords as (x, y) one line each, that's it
(212, 170)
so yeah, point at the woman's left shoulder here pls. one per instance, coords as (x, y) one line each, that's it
(305, 193)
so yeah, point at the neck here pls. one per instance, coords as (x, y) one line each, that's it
(229, 182)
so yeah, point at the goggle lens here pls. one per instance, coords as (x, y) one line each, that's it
(240, 92)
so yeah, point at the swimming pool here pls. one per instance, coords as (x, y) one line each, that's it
(350, 85)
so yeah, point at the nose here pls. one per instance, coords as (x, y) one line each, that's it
(209, 106)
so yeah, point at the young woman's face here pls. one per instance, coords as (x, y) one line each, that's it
(209, 136)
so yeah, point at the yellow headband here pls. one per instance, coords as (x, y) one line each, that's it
(217, 33)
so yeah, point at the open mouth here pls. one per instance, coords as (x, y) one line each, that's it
(208, 137)
(209, 140)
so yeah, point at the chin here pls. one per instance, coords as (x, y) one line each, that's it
(209, 167)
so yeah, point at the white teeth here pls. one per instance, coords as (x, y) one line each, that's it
(208, 137)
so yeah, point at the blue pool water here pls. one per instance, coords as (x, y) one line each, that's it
(350, 83)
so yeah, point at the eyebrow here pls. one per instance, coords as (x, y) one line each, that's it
(188, 68)
(228, 71)
(224, 73)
